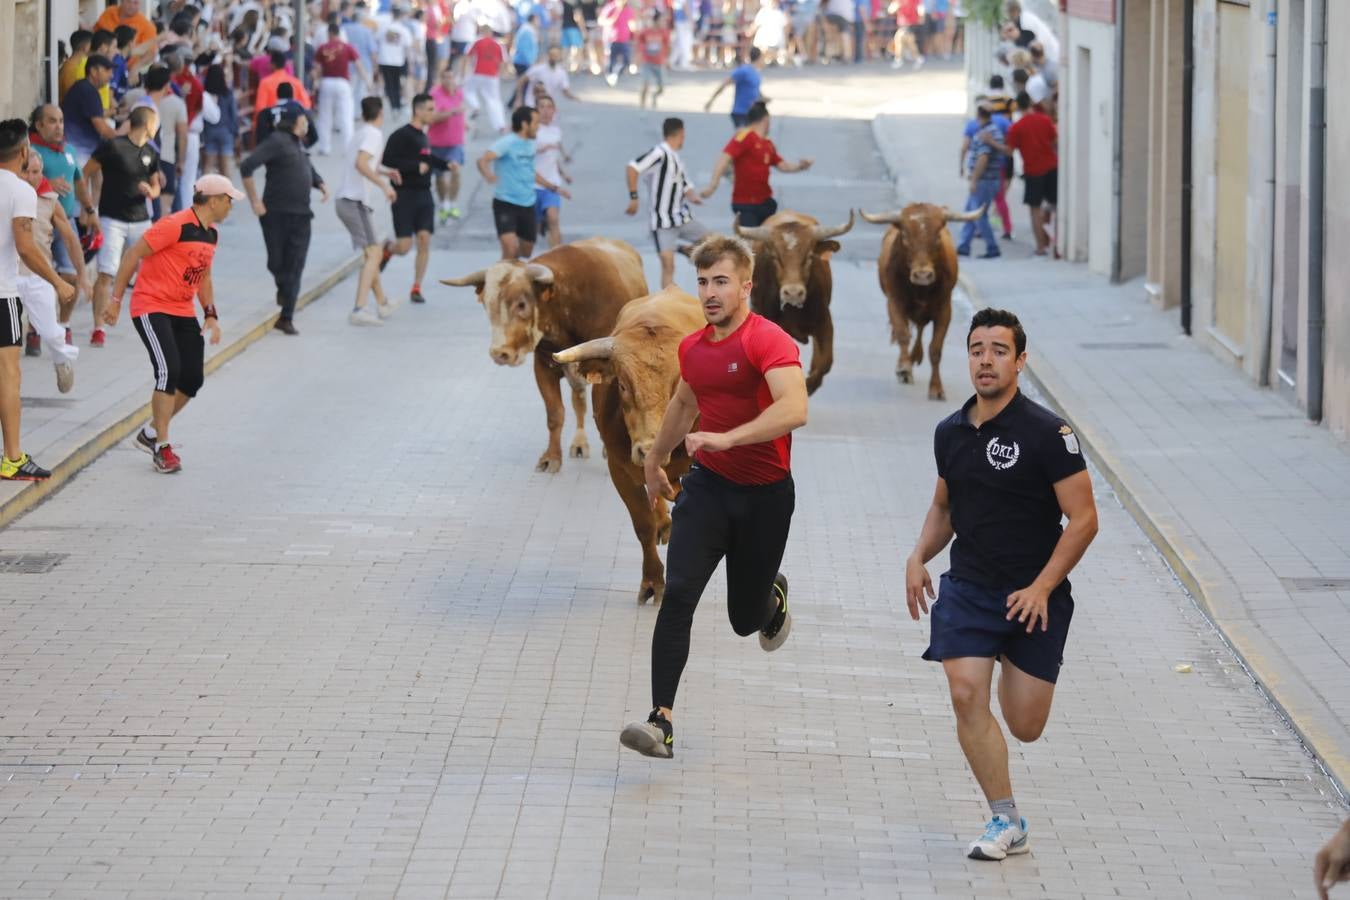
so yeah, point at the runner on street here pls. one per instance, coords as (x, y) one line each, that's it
(751, 155)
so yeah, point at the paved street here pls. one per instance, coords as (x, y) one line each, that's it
(358, 648)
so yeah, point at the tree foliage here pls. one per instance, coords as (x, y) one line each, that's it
(985, 12)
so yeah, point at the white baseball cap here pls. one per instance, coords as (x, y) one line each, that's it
(214, 185)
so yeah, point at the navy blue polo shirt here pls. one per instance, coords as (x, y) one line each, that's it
(1001, 485)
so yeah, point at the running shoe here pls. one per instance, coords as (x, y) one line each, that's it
(145, 442)
(32, 344)
(387, 255)
(443, 215)
(166, 460)
(1001, 838)
(365, 316)
(416, 296)
(286, 326)
(385, 310)
(654, 737)
(455, 212)
(962, 251)
(22, 469)
(65, 377)
(772, 635)
(97, 338)
(991, 254)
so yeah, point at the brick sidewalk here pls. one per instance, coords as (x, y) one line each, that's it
(1245, 497)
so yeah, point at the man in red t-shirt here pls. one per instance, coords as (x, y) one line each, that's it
(482, 81)
(1035, 136)
(741, 378)
(752, 154)
(332, 63)
(654, 49)
(174, 258)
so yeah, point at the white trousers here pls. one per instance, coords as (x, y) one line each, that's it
(682, 55)
(39, 302)
(335, 110)
(191, 165)
(484, 92)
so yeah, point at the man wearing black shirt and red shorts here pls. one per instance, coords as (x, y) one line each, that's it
(175, 258)
(1008, 471)
(741, 377)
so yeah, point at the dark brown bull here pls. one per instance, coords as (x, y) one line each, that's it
(636, 370)
(793, 282)
(918, 269)
(570, 294)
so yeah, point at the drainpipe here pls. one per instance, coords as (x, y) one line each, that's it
(1118, 146)
(1317, 135)
(1187, 178)
(1267, 311)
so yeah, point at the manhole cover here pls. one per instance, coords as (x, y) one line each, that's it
(1124, 345)
(1306, 585)
(30, 563)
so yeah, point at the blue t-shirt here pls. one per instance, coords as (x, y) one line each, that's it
(514, 167)
(62, 164)
(1000, 120)
(527, 47)
(994, 170)
(81, 106)
(746, 79)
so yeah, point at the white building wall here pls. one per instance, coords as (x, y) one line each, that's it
(1087, 113)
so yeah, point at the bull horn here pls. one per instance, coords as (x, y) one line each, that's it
(539, 273)
(965, 217)
(757, 233)
(889, 218)
(823, 233)
(476, 279)
(600, 348)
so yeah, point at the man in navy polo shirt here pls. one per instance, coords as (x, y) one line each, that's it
(1008, 471)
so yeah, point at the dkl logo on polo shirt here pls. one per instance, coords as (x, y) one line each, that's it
(1002, 456)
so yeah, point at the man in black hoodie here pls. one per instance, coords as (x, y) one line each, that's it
(284, 211)
(408, 153)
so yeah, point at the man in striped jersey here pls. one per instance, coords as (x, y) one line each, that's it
(673, 224)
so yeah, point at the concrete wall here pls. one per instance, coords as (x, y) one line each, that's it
(1136, 18)
(1290, 129)
(22, 77)
(1336, 392)
(1087, 144)
(1166, 61)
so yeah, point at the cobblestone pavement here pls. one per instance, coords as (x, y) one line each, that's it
(358, 648)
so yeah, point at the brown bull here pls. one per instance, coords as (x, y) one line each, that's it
(917, 269)
(636, 370)
(570, 294)
(793, 282)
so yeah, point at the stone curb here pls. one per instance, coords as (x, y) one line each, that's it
(133, 412)
(1189, 561)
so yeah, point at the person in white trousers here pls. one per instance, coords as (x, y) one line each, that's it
(336, 102)
(39, 297)
(682, 53)
(483, 85)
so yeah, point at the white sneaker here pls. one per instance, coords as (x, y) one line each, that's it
(387, 309)
(1001, 839)
(65, 377)
(363, 317)
(918, 63)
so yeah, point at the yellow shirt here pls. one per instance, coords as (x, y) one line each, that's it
(72, 70)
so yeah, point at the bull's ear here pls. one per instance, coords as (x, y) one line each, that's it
(596, 371)
(545, 294)
(827, 246)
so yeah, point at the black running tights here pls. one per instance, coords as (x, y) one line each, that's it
(713, 518)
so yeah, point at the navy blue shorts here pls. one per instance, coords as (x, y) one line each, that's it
(970, 620)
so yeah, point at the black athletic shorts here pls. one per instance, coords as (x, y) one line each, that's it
(414, 211)
(968, 619)
(518, 220)
(1041, 189)
(177, 350)
(11, 328)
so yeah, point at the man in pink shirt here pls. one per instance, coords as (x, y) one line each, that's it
(618, 18)
(446, 136)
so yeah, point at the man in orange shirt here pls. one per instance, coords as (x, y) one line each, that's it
(177, 253)
(267, 88)
(128, 12)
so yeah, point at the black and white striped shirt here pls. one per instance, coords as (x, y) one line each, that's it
(667, 184)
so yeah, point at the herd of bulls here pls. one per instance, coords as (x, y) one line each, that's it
(585, 312)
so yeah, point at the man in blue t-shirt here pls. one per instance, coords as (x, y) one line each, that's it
(746, 79)
(508, 165)
(984, 167)
(86, 121)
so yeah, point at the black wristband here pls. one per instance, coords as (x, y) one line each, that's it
(632, 195)
(209, 312)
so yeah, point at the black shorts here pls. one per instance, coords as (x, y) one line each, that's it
(517, 220)
(1041, 189)
(752, 215)
(11, 328)
(177, 350)
(968, 619)
(414, 210)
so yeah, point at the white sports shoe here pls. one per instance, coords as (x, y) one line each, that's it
(65, 377)
(1001, 839)
(363, 316)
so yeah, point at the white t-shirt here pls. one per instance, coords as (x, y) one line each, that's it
(172, 110)
(356, 186)
(393, 40)
(546, 159)
(465, 30)
(770, 28)
(18, 200)
(554, 80)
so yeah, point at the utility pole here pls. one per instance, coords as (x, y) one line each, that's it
(298, 42)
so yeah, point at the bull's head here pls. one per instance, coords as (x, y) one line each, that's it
(919, 230)
(511, 292)
(793, 246)
(645, 367)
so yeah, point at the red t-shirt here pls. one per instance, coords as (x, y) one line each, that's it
(753, 156)
(1034, 135)
(727, 377)
(654, 45)
(191, 90)
(335, 59)
(168, 278)
(487, 57)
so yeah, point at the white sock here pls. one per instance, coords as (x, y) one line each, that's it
(150, 432)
